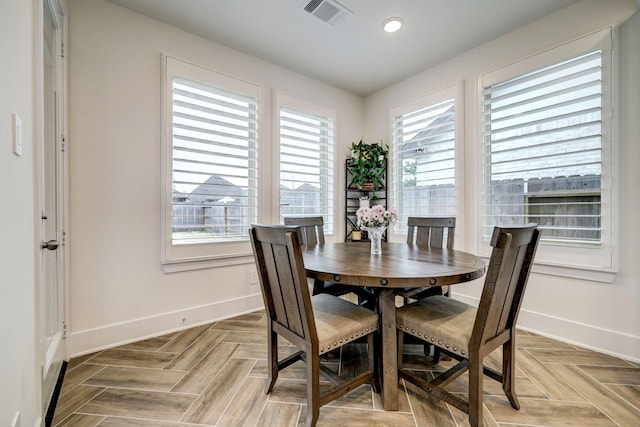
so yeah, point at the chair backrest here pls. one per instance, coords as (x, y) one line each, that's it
(514, 248)
(424, 231)
(311, 228)
(278, 255)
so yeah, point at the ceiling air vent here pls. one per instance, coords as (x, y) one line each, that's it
(328, 11)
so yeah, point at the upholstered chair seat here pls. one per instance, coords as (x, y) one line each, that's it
(439, 320)
(339, 322)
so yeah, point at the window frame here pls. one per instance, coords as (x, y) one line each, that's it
(453, 91)
(586, 262)
(283, 100)
(198, 255)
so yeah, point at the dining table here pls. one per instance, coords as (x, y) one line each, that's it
(399, 266)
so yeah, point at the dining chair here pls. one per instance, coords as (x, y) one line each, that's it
(312, 229)
(315, 324)
(469, 334)
(429, 231)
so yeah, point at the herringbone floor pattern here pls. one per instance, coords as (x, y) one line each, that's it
(214, 375)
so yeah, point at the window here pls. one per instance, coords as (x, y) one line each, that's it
(424, 157)
(547, 149)
(211, 164)
(306, 161)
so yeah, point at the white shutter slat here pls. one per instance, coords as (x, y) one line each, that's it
(543, 150)
(575, 67)
(306, 165)
(214, 153)
(425, 161)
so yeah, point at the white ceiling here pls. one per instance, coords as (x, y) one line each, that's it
(356, 55)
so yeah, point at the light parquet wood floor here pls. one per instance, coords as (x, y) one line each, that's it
(214, 375)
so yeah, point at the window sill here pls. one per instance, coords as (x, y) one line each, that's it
(576, 272)
(176, 266)
(599, 275)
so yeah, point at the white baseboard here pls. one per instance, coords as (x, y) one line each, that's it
(592, 337)
(91, 340)
(613, 343)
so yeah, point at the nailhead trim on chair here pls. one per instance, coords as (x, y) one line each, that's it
(432, 339)
(428, 322)
(346, 340)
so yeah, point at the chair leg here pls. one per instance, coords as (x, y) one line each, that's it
(318, 287)
(366, 298)
(400, 343)
(272, 356)
(475, 391)
(373, 365)
(436, 355)
(508, 372)
(313, 389)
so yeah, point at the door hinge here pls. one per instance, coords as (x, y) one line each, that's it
(63, 145)
(61, 50)
(64, 236)
(64, 329)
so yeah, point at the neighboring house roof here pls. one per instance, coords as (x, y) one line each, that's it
(216, 189)
(435, 127)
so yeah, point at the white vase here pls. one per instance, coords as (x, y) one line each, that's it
(364, 203)
(375, 235)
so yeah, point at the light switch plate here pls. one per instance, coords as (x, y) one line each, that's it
(16, 131)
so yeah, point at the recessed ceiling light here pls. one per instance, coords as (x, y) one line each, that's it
(392, 25)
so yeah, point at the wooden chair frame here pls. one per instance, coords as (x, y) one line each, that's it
(290, 313)
(311, 228)
(494, 324)
(429, 231)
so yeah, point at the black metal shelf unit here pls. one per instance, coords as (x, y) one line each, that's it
(352, 200)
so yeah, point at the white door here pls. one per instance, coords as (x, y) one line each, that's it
(51, 204)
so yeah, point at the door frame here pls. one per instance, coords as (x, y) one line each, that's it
(51, 362)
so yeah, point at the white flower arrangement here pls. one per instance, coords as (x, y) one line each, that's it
(376, 216)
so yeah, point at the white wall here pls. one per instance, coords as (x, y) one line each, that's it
(597, 315)
(118, 290)
(19, 391)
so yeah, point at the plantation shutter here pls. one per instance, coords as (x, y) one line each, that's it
(214, 167)
(306, 165)
(543, 150)
(425, 162)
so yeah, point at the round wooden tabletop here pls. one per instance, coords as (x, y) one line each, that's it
(399, 266)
